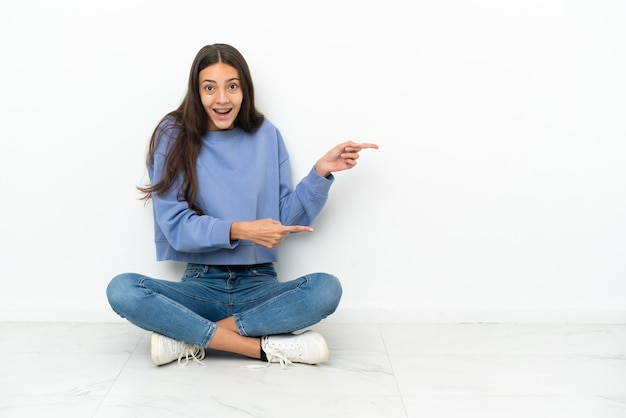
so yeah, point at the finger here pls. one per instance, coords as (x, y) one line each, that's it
(350, 156)
(356, 147)
(299, 228)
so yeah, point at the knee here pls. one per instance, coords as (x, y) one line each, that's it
(330, 291)
(119, 290)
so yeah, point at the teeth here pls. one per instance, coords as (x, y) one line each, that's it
(222, 111)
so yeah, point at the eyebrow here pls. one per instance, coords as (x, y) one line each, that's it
(213, 81)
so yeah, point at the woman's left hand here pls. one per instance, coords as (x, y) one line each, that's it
(342, 157)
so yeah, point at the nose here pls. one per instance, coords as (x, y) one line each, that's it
(222, 97)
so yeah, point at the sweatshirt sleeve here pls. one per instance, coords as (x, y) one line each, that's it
(184, 229)
(302, 205)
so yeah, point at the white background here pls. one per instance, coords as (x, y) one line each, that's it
(498, 192)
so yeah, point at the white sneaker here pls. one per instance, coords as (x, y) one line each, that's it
(308, 347)
(165, 350)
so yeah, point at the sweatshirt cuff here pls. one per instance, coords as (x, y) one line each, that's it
(220, 235)
(319, 184)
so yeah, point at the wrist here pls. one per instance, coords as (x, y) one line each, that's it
(237, 231)
(320, 170)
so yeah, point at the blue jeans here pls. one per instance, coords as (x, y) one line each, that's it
(260, 304)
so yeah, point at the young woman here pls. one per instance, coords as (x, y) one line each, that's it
(223, 202)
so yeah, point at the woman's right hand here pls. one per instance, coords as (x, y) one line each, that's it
(266, 232)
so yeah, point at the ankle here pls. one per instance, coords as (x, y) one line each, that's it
(263, 356)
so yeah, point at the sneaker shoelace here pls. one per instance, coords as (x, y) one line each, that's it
(283, 353)
(195, 352)
(281, 356)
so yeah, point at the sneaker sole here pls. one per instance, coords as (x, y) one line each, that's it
(154, 344)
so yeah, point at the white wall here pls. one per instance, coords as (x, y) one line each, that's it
(498, 192)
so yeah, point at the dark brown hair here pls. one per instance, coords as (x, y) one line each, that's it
(190, 122)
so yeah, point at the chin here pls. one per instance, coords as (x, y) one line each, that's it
(222, 126)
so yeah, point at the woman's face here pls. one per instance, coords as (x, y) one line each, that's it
(221, 95)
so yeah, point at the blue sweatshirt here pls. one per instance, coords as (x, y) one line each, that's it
(241, 177)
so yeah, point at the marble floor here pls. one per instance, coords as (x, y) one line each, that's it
(375, 370)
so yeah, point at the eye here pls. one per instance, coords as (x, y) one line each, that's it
(209, 88)
(233, 86)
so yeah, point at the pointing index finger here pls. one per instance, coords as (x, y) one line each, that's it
(299, 228)
(360, 146)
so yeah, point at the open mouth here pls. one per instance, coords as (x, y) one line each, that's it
(222, 112)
